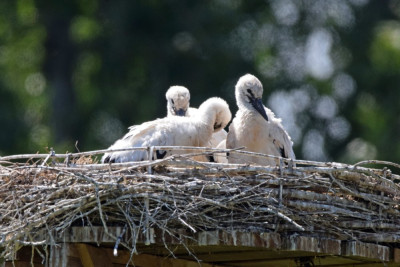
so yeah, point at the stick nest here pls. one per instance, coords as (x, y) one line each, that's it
(332, 200)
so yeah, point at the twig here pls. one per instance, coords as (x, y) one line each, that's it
(382, 162)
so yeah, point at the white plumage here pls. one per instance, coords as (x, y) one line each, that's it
(255, 126)
(178, 101)
(212, 114)
(221, 157)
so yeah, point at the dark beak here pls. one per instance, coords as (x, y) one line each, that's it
(258, 105)
(217, 126)
(180, 112)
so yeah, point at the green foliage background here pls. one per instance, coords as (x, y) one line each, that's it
(84, 70)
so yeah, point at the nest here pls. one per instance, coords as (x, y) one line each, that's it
(49, 193)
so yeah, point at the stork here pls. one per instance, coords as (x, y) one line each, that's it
(213, 115)
(178, 98)
(255, 127)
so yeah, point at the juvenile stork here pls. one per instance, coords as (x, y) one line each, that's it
(213, 114)
(256, 127)
(178, 98)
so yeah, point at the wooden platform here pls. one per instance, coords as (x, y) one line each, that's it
(91, 246)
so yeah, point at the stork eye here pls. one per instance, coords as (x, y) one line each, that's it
(172, 101)
(250, 92)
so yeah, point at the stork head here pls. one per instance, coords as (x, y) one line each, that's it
(178, 98)
(248, 92)
(215, 111)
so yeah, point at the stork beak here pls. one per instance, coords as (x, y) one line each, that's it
(180, 112)
(258, 105)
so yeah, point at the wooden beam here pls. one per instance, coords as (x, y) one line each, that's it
(233, 240)
(312, 244)
(396, 255)
(64, 255)
(92, 256)
(365, 250)
(25, 254)
(152, 260)
(18, 263)
(87, 234)
(207, 238)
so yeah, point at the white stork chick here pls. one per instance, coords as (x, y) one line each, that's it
(221, 157)
(213, 115)
(178, 98)
(255, 126)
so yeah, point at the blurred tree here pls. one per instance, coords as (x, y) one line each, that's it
(24, 100)
(85, 70)
(372, 110)
(58, 67)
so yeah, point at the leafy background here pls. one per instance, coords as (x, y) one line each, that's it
(75, 74)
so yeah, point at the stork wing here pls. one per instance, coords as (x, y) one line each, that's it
(282, 142)
(142, 135)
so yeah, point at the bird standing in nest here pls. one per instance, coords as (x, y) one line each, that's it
(255, 127)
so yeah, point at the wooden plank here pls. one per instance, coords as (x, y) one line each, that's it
(237, 238)
(328, 261)
(152, 260)
(64, 255)
(25, 254)
(72, 251)
(289, 258)
(365, 250)
(18, 263)
(396, 255)
(92, 256)
(231, 241)
(22, 263)
(208, 238)
(249, 256)
(199, 251)
(232, 238)
(86, 234)
(59, 255)
(74, 262)
(312, 244)
(256, 258)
